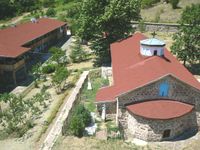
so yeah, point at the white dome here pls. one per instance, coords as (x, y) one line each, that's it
(152, 42)
(151, 47)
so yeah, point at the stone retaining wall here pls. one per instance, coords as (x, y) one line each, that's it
(161, 27)
(61, 120)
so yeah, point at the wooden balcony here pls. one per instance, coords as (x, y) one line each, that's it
(12, 67)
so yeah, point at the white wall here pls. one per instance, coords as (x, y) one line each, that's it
(149, 50)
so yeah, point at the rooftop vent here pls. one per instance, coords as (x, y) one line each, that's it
(34, 20)
(152, 46)
(13, 25)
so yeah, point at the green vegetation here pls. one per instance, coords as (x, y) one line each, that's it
(57, 55)
(174, 3)
(60, 77)
(88, 96)
(52, 115)
(51, 12)
(148, 3)
(80, 119)
(186, 40)
(48, 3)
(91, 143)
(106, 22)
(142, 26)
(77, 52)
(17, 118)
(10, 8)
(50, 68)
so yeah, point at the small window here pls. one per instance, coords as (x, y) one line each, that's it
(155, 52)
(166, 133)
(164, 89)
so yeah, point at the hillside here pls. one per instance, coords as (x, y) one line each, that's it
(163, 12)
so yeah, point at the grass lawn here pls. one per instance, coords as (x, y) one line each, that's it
(88, 96)
(90, 143)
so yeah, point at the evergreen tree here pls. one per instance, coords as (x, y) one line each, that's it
(77, 53)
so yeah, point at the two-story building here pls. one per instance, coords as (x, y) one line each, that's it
(19, 42)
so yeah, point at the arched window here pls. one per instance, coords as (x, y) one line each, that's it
(164, 89)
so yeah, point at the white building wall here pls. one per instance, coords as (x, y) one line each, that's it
(149, 50)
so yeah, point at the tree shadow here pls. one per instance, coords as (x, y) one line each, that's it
(185, 135)
(194, 69)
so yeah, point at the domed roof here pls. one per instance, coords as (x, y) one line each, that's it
(152, 42)
(160, 109)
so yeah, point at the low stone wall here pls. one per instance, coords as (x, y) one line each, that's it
(61, 121)
(152, 130)
(161, 27)
(106, 72)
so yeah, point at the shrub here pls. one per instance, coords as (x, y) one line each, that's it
(77, 53)
(48, 3)
(174, 3)
(148, 3)
(51, 12)
(142, 26)
(80, 119)
(85, 114)
(50, 68)
(157, 16)
(77, 126)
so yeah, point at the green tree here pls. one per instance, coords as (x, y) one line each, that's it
(26, 5)
(36, 73)
(174, 3)
(142, 26)
(51, 12)
(80, 119)
(48, 3)
(148, 3)
(77, 53)
(50, 68)
(7, 9)
(186, 44)
(59, 77)
(57, 54)
(77, 126)
(16, 118)
(106, 21)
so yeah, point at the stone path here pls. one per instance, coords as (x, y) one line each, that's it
(57, 126)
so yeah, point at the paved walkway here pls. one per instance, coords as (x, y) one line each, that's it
(57, 127)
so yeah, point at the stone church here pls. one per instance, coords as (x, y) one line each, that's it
(153, 96)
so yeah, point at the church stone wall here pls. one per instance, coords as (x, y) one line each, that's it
(178, 91)
(110, 107)
(152, 130)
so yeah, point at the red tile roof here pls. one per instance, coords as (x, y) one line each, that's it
(12, 39)
(131, 70)
(167, 109)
